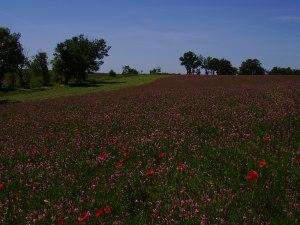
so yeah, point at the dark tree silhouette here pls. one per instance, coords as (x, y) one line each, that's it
(191, 62)
(11, 53)
(252, 67)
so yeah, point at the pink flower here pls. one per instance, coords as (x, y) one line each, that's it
(262, 163)
(102, 157)
(182, 167)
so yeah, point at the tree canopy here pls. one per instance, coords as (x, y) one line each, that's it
(39, 67)
(252, 67)
(11, 52)
(191, 61)
(284, 71)
(76, 57)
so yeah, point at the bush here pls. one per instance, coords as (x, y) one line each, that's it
(112, 73)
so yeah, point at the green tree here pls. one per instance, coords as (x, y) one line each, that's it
(205, 64)
(112, 73)
(214, 65)
(39, 67)
(11, 53)
(191, 62)
(127, 70)
(226, 68)
(284, 71)
(252, 67)
(156, 71)
(78, 56)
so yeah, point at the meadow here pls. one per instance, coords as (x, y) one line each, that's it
(176, 150)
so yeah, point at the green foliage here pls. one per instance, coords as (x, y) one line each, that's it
(11, 52)
(97, 83)
(155, 70)
(191, 62)
(128, 70)
(76, 57)
(112, 73)
(284, 71)
(39, 67)
(252, 67)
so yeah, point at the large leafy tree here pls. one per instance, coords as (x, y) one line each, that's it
(11, 53)
(39, 67)
(252, 67)
(76, 57)
(226, 68)
(191, 62)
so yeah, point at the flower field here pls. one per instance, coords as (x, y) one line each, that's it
(180, 150)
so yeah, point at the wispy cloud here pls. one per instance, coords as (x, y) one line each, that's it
(287, 18)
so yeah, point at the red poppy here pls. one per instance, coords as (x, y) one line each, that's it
(103, 156)
(2, 186)
(103, 211)
(108, 209)
(262, 163)
(100, 212)
(182, 167)
(267, 137)
(252, 176)
(150, 172)
(84, 218)
(162, 155)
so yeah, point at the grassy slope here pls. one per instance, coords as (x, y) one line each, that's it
(100, 83)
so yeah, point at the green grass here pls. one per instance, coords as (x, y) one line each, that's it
(96, 83)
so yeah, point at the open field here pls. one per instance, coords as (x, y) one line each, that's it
(174, 151)
(96, 83)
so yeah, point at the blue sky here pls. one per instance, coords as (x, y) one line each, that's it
(150, 33)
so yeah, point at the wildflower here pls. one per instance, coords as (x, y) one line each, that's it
(182, 167)
(252, 176)
(84, 218)
(162, 155)
(267, 137)
(100, 213)
(262, 163)
(103, 211)
(113, 141)
(2, 186)
(150, 172)
(102, 157)
(108, 209)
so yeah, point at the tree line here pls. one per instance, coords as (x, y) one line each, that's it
(75, 58)
(193, 64)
